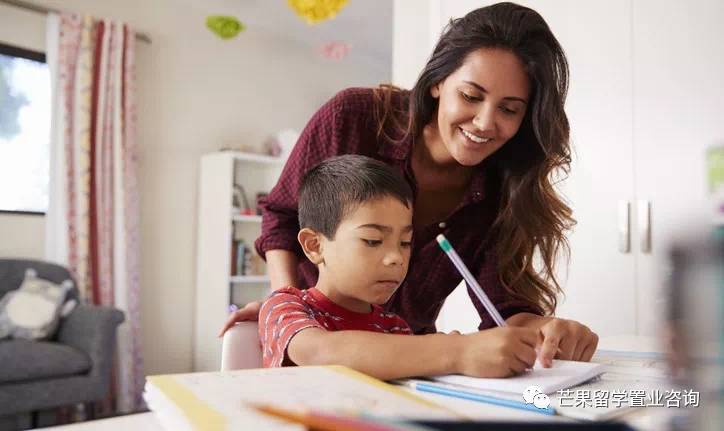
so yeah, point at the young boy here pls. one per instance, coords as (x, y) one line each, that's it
(355, 215)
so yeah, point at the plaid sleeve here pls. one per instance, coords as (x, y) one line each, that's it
(281, 317)
(320, 139)
(504, 303)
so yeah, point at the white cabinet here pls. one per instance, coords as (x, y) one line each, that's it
(678, 113)
(217, 285)
(645, 100)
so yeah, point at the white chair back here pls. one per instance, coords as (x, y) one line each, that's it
(241, 348)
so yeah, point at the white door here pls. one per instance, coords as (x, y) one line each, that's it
(596, 36)
(678, 113)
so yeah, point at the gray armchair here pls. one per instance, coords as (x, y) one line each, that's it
(74, 367)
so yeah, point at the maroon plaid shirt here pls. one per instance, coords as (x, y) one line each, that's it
(347, 125)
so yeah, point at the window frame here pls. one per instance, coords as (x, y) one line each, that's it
(27, 54)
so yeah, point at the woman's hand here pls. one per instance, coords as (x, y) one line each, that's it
(249, 312)
(496, 352)
(566, 339)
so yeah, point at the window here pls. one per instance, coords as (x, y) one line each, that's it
(24, 131)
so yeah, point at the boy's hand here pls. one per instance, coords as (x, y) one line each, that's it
(249, 312)
(497, 352)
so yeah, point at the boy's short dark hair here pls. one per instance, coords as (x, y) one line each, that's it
(334, 187)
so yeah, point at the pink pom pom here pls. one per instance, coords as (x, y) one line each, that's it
(335, 50)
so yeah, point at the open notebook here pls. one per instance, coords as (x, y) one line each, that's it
(622, 373)
(563, 375)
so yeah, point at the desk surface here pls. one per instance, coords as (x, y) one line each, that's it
(641, 419)
(136, 422)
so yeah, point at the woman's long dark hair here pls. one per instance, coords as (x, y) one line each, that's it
(531, 214)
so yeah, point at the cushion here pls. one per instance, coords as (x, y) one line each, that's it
(24, 360)
(34, 309)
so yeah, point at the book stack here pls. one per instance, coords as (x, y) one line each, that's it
(230, 400)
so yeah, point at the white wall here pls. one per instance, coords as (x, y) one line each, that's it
(196, 93)
(412, 42)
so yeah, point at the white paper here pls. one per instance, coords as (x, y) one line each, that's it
(561, 375)
(322, 389)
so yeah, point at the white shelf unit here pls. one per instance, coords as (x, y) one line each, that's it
(219, 222)
(256, 158)
(246, 218)
(240, 279)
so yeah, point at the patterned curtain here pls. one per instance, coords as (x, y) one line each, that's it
(93, 217)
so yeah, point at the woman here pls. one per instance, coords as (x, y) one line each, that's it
(478, 137)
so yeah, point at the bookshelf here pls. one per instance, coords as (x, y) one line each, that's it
(221, 223)
(249, 279)
(246, 218)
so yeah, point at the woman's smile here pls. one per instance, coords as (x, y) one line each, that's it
(474, 138)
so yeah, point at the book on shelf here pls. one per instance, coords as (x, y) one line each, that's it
(234, 253)
(245, 260)
(241, 252)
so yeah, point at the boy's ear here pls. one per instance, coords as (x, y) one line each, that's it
(311, 244)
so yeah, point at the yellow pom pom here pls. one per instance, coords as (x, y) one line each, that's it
(314, 11)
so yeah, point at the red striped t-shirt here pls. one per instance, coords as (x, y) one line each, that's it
(289, 310)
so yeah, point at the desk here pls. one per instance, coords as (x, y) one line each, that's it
(643, 419)
(136, 422)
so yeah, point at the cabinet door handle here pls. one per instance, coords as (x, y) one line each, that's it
(644, 216)
(624, 232)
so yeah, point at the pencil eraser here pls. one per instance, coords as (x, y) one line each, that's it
(444, 244)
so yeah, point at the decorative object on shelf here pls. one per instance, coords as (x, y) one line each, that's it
(335, 50)
(242, 148)
(256, 265)
(315, 11)
(240, 201)
(259, 197)
(224, 26)
(281, 143)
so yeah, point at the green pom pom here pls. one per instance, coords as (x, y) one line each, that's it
(224, 26)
